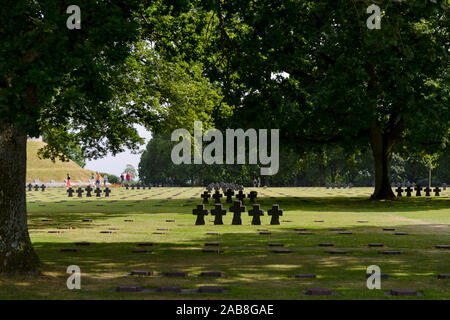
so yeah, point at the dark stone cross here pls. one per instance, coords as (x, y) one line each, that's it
(437, 191)
(97, 192)
(237, 208)
(80, 192)
(427, 191)
(30, 187)
(241, 196)
(36, 188)
(200, 212)
(132, 187)
(107, 191)
(138, 186)
(88, 191)
(399, 191)
(127, 186)
(418, 189)
(408, 191)
(229, 194)
(43, 187)
(205, 197)
(252, 196)
(256, 213)
(275, 212)
(70, 192)
(217, 195)
(218, 212)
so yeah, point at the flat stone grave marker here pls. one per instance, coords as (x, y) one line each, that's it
(305, 276)
(217, 274)
(400, 234)
(305, 233)
(128, 220)
(362, 221)
(175, 274)
(375, 245)
(319, 221)
(141, 273)
(337, 229)
(211, 289)
(54, 231)
(443, 276)
(82, 243)
(140, 251)
(69, 250)
(318, 292)
(211, 250)
(129, 288)
(170, 220)
(212, 244)
(106, 232)
(237, 208)
(86, 220)
(337, 252)
(265, 233)
(382, 275)
(146, 244)
(345, 232)
(390, 252)
(300, 229)
(158, 232)
(403, 292)
(326, 245)
(282, 251)
(276, 244)
(256, 213)
(173, 289)
(262, 230)
(442, 246)
(65, 228)
(46, 220)
(388, 229)
(212, 233)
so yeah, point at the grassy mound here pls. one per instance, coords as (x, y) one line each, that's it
(45, 169)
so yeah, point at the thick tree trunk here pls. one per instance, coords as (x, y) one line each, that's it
(16, 252)
(382, 152)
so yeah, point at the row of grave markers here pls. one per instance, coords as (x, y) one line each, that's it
(229, 194)
(89, 190)
(237, 208)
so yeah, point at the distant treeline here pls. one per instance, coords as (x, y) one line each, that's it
(329, 165)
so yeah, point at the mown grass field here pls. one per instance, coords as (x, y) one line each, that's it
(251, 269)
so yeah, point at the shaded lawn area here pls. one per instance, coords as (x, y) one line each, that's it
(251, 269)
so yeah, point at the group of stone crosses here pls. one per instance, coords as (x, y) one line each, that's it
(36, 187)
(237, 208)
(410, 187)
(137, 186)
(88, 190)
(338, 185)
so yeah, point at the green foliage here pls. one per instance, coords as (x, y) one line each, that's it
(131, 170)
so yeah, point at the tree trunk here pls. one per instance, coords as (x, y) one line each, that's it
(16, 252)
(382, 153)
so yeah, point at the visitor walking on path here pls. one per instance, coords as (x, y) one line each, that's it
(122, 178)
(97, 181)
(128, 178)
(92, 182)
(105, 179)
(68, 180)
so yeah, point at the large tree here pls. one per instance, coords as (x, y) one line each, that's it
(316, 71)
(85, 87)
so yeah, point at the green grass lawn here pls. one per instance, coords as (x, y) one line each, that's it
(251, 270)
